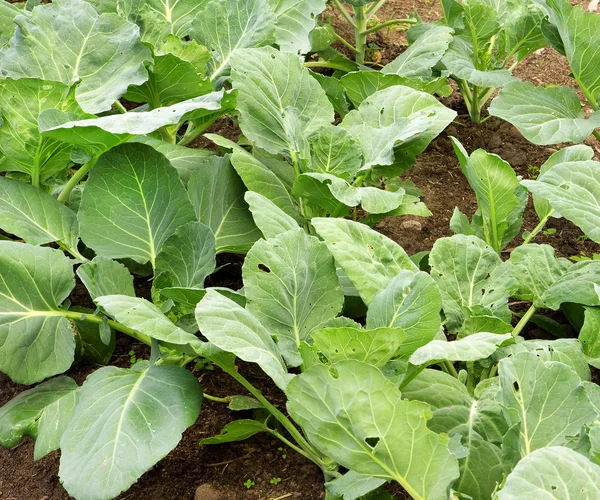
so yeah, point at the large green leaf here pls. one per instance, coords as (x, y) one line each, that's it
(369, 259)
(53, 423)
(578, 285)
(274, 88)
(359, 419)
(580, 34)
(157, 19)
(36, 341)
(547, 398)
(295, 20)
(35, 216)
(20, 416)
(125, 421)
(555, 472)
(269, 218)
(132, 202)
(21, 102)
(8, 12)
(472, 348)
(411, 301)
(233, 329)
(334, 151)
(469, 273)
(544, 115)
(573, 189)
(217, 194)
(102, 133)
(589, 336)
(291, 287)
(422, 54)
(536, 269)
(187, 257)
(68, 41)
(396, 115)
(229, 25)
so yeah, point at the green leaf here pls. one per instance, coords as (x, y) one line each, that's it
(352, 485)
(36, 340)
(499, 202)
(396, 115)
(291, 287)
(573, 189)
(171, 80)
(536, 269)
(217, 194)
(481, 20)
(334, 151)
(548, 420)
(103, 52)
(568, 154)
(225, 26)
(185, 160)
(238, 430)
(295, 21)
(8, 12)
(469, 273)
(157, 19)
(233, 329)
(269, 218)
(580, 34)
(422, 54)
(411, 301)
(369, 259)
(92, 344)
(187, 257)
(137, 416)
(20, 416)
(53, 423)
(35, 216)
(589, 336)
(544, 115)
(107, 131)
(103, 276)
(554, 472)
(375, 347)
(272, 85)
(189, 51)
(359, 419)
(472, 348)
(143, 316)
(458, 60)
(21, 103)
(578, 285)
(132, 202)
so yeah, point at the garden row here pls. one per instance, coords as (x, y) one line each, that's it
(396, 368)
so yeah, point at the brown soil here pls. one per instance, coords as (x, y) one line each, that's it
(220, 471)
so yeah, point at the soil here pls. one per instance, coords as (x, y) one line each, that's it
(219, 472)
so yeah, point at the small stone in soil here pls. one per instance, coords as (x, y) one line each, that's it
(206, 492)
(413, 225)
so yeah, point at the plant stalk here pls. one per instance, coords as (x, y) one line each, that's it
(119, 107)
(538, 228)
(374, 7)
(74, 180)
(450, 367)
(475, 111)
(392, 22)
(596, 134)
(115, 325)
(523, 321)
(344, 12)
(360, 33)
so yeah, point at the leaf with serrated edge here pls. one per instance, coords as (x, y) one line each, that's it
(132, 202)
(103, 276)
(36, 340)
(125, 421)
(359, 419)
(369, 259)
(104, 52)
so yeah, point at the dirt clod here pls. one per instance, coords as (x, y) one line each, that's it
(207, 492)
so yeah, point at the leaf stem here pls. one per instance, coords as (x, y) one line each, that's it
(345, 42)
(344, 12)
(392, 22)
(325, 64)
(370, 12)
(538, 228)
(450, 367)
(523, 321)
(596, 134)
(216, 399)
(115, 325)
(119, 107)
(74, 180)
(360, 34)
